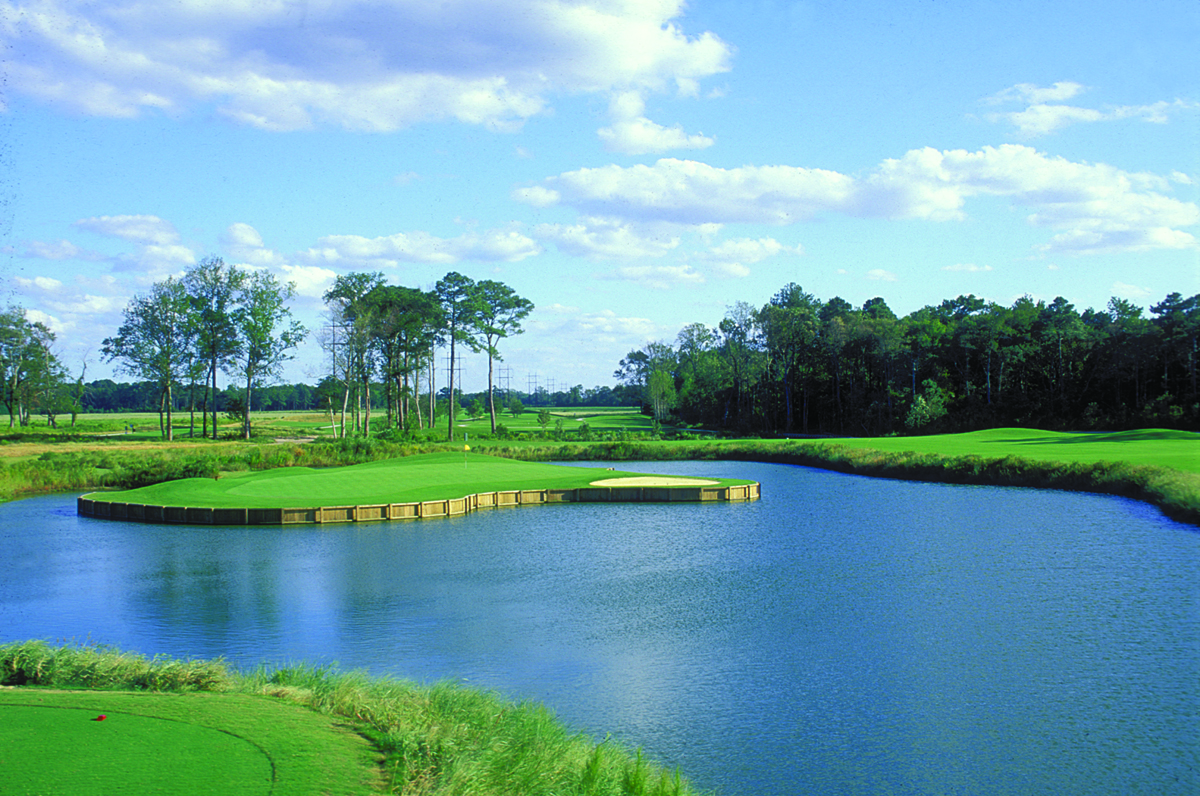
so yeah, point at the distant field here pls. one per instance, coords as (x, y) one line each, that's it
(597, 418)
(144, 425)
(1179, 450)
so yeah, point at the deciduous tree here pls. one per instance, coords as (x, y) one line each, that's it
(500, 313)
(156, 341)
(267, 330)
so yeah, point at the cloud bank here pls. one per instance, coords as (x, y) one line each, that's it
(355, 64)
(1092, 207)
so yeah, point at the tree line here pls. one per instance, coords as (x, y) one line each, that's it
(802, 365)
(106, 395)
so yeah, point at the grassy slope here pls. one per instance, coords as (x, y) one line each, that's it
(1179, 450)
(408, 479)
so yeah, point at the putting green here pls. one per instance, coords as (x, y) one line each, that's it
(434, 476)
(52, 743)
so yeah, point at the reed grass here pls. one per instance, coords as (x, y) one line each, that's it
(441, 739)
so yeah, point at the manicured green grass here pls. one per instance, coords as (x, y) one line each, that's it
(407, 479)
(1179, 450)
(318, 731)
(51, 743)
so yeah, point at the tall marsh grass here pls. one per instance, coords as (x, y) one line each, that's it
(434, 740)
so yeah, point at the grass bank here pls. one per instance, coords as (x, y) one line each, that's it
(421, 740)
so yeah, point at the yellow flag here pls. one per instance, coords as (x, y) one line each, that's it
(466, 448)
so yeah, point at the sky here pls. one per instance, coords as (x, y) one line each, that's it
(629, 166)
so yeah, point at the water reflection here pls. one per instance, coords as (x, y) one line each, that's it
(840, 635)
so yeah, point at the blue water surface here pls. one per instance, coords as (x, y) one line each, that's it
(840, 635)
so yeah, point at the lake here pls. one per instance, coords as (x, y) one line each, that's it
(840, 635)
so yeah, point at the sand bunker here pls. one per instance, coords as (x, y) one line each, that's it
(653, 480)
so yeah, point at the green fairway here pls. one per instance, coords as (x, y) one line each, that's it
(1179, 450)
(435, 476)
(52, 743)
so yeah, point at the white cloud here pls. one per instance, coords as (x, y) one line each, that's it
(157, 262)
(1040, 117)
(1044, 119)
(49, 321)
(356, 64)
(310, 280)
(355, 251)
(632, 133)
(880, 275)
(145, 230)
(601, 238)
(87, 304)
(537, 196)
(692, 193)
(656, 277)
(245, 245)
(62, 250)
(604, 327)
(1094, 207)
(1032, 94)
(159, 252)
(967, 267)
(733, 257)
(40, 282)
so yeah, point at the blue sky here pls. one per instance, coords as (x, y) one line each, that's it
(630, 166)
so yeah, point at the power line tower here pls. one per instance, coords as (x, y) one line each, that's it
(457, 374)
(505, 381)
(532, 383)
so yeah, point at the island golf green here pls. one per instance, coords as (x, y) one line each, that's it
(437, 484)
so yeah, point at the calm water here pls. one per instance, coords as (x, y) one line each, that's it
(841, 635)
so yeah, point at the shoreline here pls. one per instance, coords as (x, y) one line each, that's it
(1174, 492)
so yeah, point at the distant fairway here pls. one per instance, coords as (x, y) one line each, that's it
(186, 744)
(1179, 450)
(435, 476)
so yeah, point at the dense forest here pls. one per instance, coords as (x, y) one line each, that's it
(806, 366)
